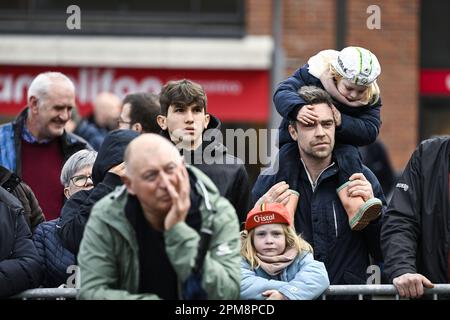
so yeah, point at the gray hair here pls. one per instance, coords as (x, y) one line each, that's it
(78, 161)
(39, 86)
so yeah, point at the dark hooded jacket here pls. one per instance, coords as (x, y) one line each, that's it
(13, 184)
(19, 262)
(415, 237)
(226, 171)
(77, 209)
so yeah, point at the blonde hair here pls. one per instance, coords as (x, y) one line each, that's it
(293, 240)
(372, 91)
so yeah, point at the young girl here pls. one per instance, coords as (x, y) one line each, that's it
(277, 263)
(349, 76)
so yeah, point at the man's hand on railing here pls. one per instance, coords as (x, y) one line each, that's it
(410, 285)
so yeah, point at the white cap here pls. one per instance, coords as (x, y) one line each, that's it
(357, 65)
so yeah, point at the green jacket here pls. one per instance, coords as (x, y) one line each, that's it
(108, 257)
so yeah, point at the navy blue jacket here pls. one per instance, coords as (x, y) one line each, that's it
(359, 127)
(53, 256)
(90, 133)
(322, 221)
(19, 262)
(77, 209)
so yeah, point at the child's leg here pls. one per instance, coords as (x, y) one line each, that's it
(348, 160)
(359, 212)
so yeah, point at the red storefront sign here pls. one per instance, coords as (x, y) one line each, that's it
(435, 82)
(233, 95)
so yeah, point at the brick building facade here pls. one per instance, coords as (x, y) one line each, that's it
(310, 26)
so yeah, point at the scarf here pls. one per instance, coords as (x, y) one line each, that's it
(276, 264)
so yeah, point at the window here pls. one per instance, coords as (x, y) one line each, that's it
(126, 17)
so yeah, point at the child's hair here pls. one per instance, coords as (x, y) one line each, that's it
(293, 240)
(181, 93)
(372, 91)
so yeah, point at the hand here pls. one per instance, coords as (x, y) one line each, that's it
(337, 116)
(306, 115)
(359, 186)
(273, 295)
(118, 170)
(278, 193)
(179, 192)
(410, 285)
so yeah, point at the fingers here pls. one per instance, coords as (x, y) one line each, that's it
(427, 283)
(307, 115)
(357, 176)
(360, 186)
(277, 193)
(184, 189)
(411, 285)
(399, 286)
(267, 292)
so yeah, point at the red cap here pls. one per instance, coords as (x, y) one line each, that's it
(267, 213)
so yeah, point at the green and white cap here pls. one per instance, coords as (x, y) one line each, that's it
(358, 65)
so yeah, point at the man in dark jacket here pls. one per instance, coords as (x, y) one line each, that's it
(139, 112)
(13, 184)
(19, 262)
(194, 132)
(106, 175)
(309, 167)
(415, 237)
(35, 145)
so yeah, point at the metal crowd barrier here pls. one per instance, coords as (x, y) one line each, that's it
(48, 293)
(380, 291)
(383, 291)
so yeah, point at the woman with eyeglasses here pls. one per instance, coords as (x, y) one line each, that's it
(75, 176)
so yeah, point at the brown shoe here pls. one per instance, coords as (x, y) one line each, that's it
(359, 212)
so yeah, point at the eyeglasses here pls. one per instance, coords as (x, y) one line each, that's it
(81, 180)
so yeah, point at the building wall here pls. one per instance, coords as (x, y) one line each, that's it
(397, 46)
(310, 26)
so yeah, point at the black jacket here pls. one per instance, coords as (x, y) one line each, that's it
(19, 261)
(415, 234)
(77, 209)
(226, 171)
(321, 219)
(12, 183)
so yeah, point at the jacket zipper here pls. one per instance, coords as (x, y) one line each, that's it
(335, 220)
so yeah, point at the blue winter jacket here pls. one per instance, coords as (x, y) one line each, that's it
(359, 127)
(321, 219)
(11, 141)
(304, 279)
(52, 255)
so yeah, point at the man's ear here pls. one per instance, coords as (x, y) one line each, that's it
(162, 121)
(137, 127)
(128, 184)
(33, 104)
(207, 119)
(293, 132)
